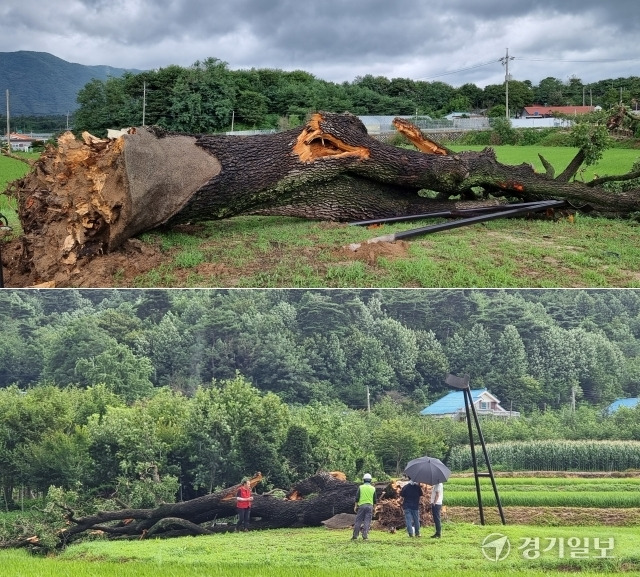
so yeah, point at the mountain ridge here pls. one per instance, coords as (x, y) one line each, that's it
(40, 83)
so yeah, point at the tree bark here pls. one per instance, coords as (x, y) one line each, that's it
(87, 197)
(308, 504)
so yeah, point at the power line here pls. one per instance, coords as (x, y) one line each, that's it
(460, 70)
(583, 61)
(524, 59)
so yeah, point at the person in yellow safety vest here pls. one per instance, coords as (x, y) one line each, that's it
(365, 500)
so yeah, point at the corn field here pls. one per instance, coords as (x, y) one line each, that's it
(551, 455)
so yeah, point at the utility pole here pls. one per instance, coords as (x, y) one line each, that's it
(505, 62)
(8, 127)
(368, 401)
(144, 100)
(233, 117)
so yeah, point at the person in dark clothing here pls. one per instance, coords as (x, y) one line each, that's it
(411, 494)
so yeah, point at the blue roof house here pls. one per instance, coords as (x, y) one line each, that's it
(452, 405)
(629, 403)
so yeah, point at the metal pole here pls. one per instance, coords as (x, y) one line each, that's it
(144, 100)
(453, 212)
(506, 86)
(486, 458)
(471, 220)
(469, 401)
(8, 126)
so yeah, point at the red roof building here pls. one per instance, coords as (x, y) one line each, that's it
(550, 111)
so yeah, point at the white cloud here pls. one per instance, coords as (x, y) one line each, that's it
(338, 40)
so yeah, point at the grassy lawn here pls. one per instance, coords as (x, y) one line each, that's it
(323, 552)
(276, 252)
(613, 161)
(10, 170)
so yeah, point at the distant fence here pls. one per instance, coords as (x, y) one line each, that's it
(440, 130)
(250, 132)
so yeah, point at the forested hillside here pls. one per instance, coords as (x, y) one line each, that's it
(208, 97)
(147, 396)
(43, 84)
(533, 349)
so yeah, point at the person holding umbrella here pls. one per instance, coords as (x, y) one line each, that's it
(431, 472)
(411, 494)
(365, 500)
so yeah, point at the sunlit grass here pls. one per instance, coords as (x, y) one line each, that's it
(311, 552)
(10, 170)
(613, 161)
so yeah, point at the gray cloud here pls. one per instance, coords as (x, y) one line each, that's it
(454, 41)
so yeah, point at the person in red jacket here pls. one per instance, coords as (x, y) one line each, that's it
(243, 505)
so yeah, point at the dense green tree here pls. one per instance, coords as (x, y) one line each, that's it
(297, 451)
(400, 350)
(251, 108)
(367, 370)
(58, 458)
(395, 444)
(432, 363)
(520, 95)
(509, 377)
(93, 113)
(550, 92)
(203, 98)
(120, 370)
(26, 419)
(75, 339)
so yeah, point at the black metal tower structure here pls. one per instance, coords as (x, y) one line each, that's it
(462, 384)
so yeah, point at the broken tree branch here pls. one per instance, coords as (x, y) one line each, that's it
(85, 198)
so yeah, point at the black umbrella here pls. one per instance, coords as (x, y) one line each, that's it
(427, 470)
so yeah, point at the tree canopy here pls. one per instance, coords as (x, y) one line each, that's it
(208, 97)
(143, 397)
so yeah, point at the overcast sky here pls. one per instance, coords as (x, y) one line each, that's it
(453, 41)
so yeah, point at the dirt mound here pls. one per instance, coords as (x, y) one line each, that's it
(370, 253)
(133, 258)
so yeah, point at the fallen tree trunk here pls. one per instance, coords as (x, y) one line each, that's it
(308, 504)
(85, 198)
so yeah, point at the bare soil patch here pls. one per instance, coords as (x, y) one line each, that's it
(549, 516)
(370, 253)
(132, 259)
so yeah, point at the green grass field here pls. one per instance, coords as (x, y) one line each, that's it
(534, 549)
(547, 492)
(324, 552)
(10, 170)
(613, 161)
